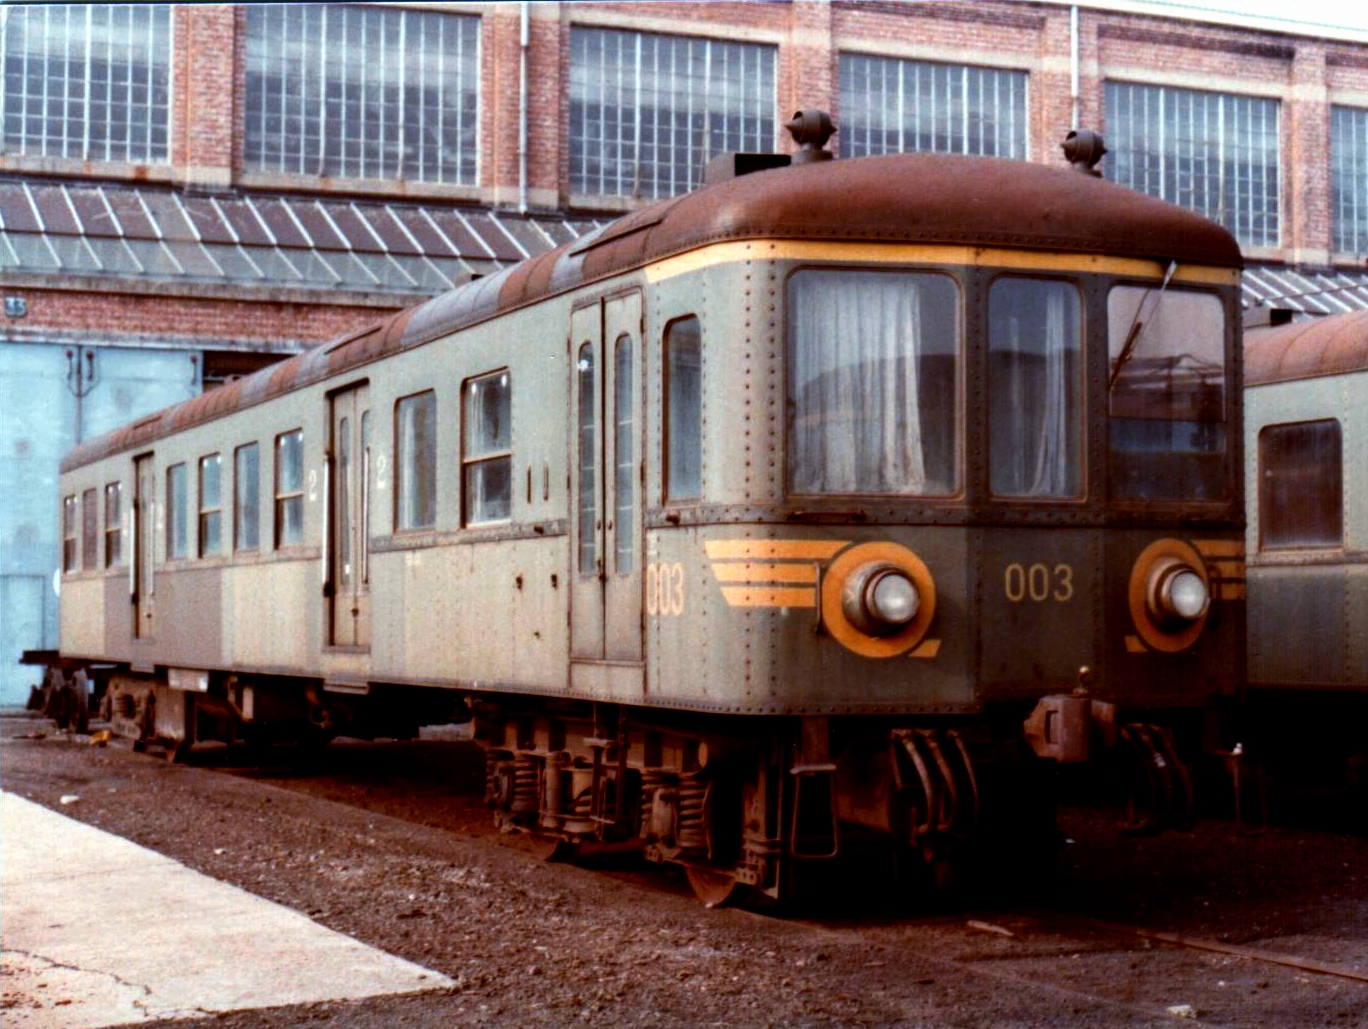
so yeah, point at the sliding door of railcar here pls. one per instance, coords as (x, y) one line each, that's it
(606, 528)
(144, 545)
(349, 524)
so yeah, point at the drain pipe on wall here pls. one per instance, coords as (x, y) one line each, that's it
(1073, 62)
(525, 40)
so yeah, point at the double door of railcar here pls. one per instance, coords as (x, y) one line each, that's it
(144, 546)
(606, 527)
(348, 560)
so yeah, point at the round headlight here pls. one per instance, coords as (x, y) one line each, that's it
(880, 600)
(1178, 595)
(893, 599)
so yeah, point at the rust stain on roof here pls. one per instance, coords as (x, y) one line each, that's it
(1331, 345)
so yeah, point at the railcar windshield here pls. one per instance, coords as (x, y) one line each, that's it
(873, 372)
(1168, 435)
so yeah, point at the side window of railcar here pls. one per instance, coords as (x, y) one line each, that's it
(177, 512)
(1301, 485)
(415, 461)
(487, 454)
(1035, 388)
(873, 402)
(90, 529)
(247, 497)
(289, 489)
(113, 512)
(69, 551)
(683, 410)
(210, 505)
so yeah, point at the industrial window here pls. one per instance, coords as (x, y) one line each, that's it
(362, 91)
(247, 497)
(487, 459)
(683, 410)
(113, 532)
(177, 512)
(87, 81)
(647, 111)
(1349, 174)
(1301, 485)
(873, 382)
(1034, 389)
(69, 551)
(90, 529)
(289, 489)
(891, 106)
(210, 505)
(1213, 153)
(415, 461)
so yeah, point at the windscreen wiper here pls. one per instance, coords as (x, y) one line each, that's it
(1138, 327)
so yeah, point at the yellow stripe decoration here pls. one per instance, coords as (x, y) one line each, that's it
(763, 571)
(792, 550)
(754, 596)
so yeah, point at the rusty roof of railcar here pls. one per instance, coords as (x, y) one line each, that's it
(1332, 345)
(900, 198)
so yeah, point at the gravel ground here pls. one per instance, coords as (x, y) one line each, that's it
(389, 843)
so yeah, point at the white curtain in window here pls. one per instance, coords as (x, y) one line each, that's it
(1052, 463)
(858, 427)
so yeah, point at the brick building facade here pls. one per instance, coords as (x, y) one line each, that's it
(280, 201)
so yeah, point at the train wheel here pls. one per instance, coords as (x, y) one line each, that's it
(714, 887)
(551, 848)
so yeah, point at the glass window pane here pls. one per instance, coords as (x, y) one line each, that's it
(90, 529)
(1167, 433)
(1213, 153)
(113, 524)
(684, 410)
(416, 461)
(1301, 485)
(289, 487)
(1349, 179)
(210, 516)
(647, 111)
(1034, 372)
(587, 459)
(624, 459)
(892, 106)
(487, 442)
(69, 551)
(247, 497)
(369, 92)
(873, 383)
(177, 512)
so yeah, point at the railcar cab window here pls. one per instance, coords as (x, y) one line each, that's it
(289, 489)
(487, 449)
(177, 512)
(1301, 485)
(90, 529)
(873, 382)
(1034, 389)
(210, 505)
(1167, 432)
(415, 461)
(683, 410)
(69, 551)
(113, 512)
(247, 497)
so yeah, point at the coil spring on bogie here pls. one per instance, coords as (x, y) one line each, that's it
(652, 779)
(526, 776)
(494, 760)
(693, 796)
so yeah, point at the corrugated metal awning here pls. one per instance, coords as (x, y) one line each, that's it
(1328, 291)
(160, 234)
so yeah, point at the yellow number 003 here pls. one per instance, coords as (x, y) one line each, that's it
(1038, 583)
(665, 589)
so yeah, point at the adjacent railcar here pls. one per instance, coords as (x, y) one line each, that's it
(817, 511)
(1306, 427)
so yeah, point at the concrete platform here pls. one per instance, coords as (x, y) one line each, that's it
(98, 931)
